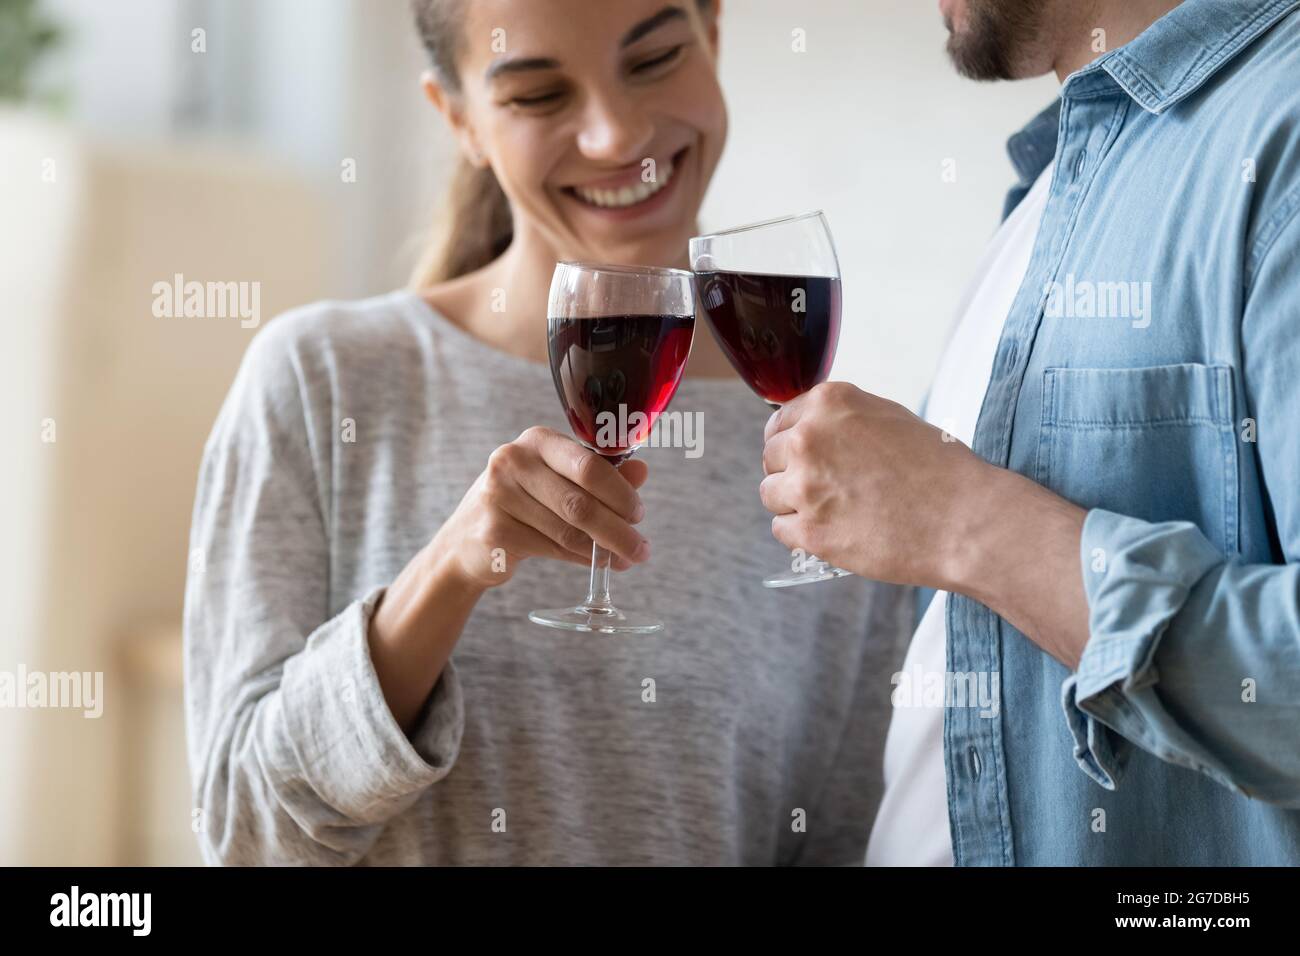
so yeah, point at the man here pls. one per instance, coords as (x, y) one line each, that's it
(1118, 549)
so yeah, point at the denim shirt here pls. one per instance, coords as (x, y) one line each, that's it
(1149, 371)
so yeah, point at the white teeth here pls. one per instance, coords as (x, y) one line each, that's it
(628, 195)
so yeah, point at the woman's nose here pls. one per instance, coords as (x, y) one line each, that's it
(615, 129)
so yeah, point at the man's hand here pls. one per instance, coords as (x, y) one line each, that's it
(865, 484)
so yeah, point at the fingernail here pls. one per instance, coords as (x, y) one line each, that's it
(642, 551)
(638, 512)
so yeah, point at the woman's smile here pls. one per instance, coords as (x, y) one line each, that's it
(628, 195)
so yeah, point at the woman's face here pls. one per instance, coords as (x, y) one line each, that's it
(603, 121)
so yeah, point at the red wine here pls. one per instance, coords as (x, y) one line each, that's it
(780, 332)
(615, 374)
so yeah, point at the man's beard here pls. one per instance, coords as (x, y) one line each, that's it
(999, 37)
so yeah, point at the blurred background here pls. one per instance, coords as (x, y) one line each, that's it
(286, 142)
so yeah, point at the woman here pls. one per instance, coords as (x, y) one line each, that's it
(364, 684)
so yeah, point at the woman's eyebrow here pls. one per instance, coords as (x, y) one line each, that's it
(652, 23)
(507, 65)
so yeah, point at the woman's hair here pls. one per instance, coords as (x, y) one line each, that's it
(475, 224)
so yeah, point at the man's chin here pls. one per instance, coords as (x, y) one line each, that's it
(996, 40)
(975, 64)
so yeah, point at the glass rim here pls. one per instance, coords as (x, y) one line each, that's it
(662, 271)
(777, 221)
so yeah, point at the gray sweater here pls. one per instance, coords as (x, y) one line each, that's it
(350, 434)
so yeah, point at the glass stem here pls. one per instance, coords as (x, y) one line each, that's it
(598, 592)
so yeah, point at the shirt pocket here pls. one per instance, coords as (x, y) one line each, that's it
(1155, 443)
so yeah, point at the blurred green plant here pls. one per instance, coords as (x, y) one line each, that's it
(26, 35)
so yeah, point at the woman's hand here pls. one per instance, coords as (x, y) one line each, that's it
(543, 495)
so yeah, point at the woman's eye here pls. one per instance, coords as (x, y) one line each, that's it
(542, 99)
(663, 59)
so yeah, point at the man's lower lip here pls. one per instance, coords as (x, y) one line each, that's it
(641, 208)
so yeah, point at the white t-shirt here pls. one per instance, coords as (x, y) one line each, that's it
(911, 828)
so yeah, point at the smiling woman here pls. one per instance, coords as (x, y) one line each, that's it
(388, 492)
(515, 112)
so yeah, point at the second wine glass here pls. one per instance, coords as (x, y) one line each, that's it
(771, 294)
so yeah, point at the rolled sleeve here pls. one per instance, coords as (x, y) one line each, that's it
(1137, 577)
(351, 749)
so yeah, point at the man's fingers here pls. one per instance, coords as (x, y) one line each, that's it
(785, 416)
(774, 491)
(785, 530)
(776, 453)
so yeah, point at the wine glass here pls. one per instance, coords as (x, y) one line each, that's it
(619, 337)
(771, 294)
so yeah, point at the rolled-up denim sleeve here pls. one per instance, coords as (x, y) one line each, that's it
(1191, 657)
(1194, 656)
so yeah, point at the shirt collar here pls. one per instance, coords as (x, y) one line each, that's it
(1178, 53)
(1169, 60)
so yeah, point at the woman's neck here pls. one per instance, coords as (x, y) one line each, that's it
(503, 304)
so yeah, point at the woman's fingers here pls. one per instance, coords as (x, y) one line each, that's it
(575, 507)
(634, 472)
(527, 482)
(589, 471)
(521, 539)
(527, 509)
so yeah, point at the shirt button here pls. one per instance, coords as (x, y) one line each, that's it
(1081, 163)
(975, 765)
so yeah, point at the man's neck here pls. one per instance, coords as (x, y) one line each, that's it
(1087, 30)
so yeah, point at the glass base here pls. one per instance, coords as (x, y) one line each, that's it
(815, 571)
(597, 620)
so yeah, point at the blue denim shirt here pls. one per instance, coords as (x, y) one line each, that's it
(1149, 371)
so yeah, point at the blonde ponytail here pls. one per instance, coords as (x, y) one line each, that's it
(473, 227)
